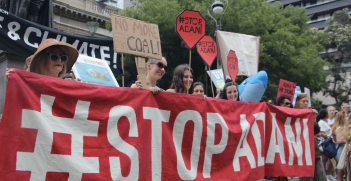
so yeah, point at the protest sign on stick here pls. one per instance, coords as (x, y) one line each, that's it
(308, 92)
(218, 78)
(137, 38)
(191, 27)
(207, 48)
(286, 88)
(232, 62)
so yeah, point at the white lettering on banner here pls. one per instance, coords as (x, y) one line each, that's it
(41, 160)
(93, 47)
(12, 33)
(307, 143)
(84, 47)
(102, 52)
(1, 19)
(45, 36)
(294, 143)
(63, 39)
(75, 44)
(27, 33)
(211, 148)
(178, 133)
(273, 147)
(156, 116)
(3, 11)
(115, 140)
(245, 150)
(261, 116)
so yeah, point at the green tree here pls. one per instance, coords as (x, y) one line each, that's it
(338, 53)
(289, 49)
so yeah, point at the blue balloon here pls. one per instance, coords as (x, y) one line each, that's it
(252, 88)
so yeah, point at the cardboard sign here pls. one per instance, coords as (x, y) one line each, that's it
(233, 67)
(191, 27)
(217, 77)
(136, 37)
(246, 47)
(286, 88)
(141, 68)
(207, 48)
(94, 71)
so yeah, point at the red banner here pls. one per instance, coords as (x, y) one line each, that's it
(54, 129)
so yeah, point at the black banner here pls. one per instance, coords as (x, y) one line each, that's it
(22, 37)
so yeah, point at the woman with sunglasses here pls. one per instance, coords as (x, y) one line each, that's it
(284, 101)
(182, 80)
(155, 70)
(53, 58)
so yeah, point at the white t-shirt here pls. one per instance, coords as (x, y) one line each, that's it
(325, 128)
(330, 121)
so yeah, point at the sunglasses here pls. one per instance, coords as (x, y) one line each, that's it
(160, 65)
(287, 103)
(54, 57)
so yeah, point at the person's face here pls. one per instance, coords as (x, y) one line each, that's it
(54, 67)
(232, 93)
(303, 103)
(187, 77)
(198, 90)
(344, 108)
(154, 69)
(331, 112)
(285, 103)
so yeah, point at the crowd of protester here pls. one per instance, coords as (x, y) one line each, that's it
(54, 58)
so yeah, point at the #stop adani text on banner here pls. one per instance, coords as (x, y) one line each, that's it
(54, 129)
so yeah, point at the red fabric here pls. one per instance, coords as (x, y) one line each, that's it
(23, 97)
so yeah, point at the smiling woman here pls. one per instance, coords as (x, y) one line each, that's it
(182, 80)
(53, 58)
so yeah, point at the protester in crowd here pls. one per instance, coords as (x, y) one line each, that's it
(319, 173)
(198, 89)
(155, 70)
(182, 80)
(331, 115)
(284, 101)
(345, 108)
(347, 137)
(325, 132)
(230, 91)
(338, 132)
(27, 63)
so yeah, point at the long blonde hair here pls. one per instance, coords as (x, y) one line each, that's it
(339, 121)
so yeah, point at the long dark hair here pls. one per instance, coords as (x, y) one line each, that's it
(178, 75)
(282, 98)
(225, 90)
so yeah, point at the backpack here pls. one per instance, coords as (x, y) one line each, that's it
(329, 148)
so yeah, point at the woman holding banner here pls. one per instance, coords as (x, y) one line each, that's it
(230, 91)
(319, 173)
(182, 80)
(53, 58)
(155, 70)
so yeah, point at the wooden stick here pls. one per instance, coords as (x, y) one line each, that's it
(187, 91)
(209, 67)
(122, 72)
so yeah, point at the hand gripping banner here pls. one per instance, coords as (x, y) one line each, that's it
(54, 129)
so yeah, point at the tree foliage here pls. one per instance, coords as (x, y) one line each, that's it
(337, 51)
(288, 48)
